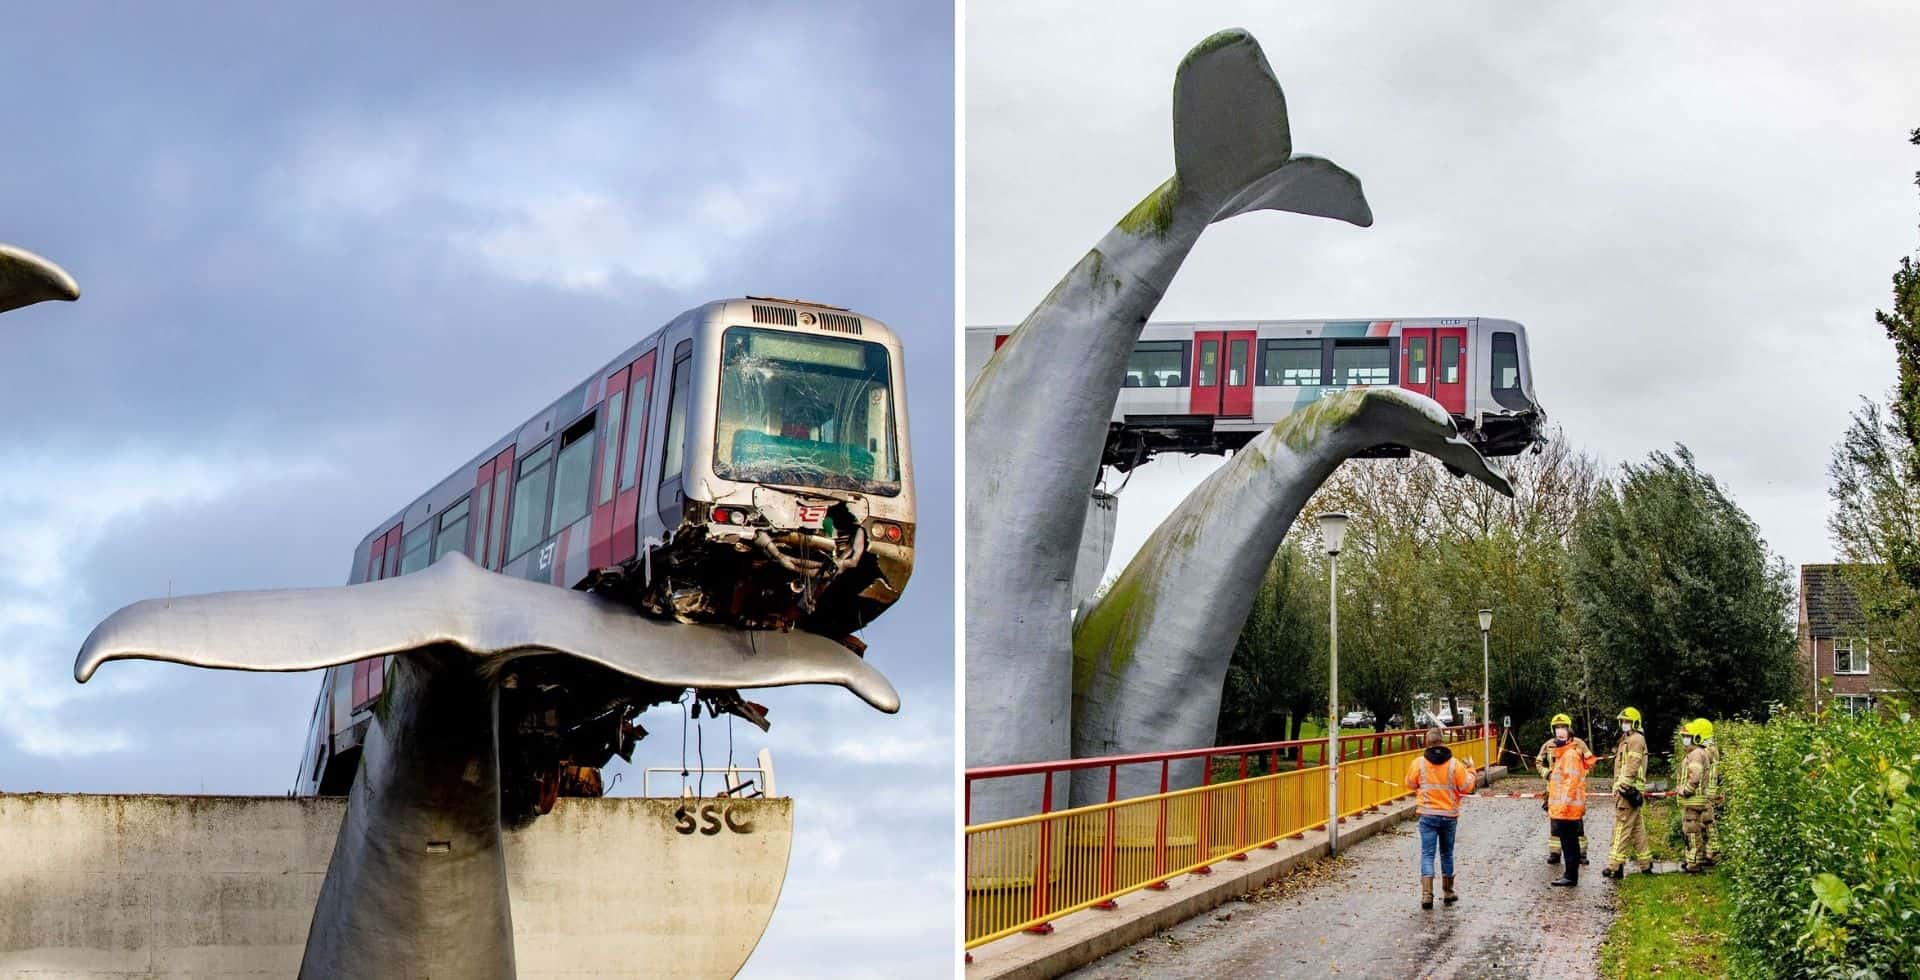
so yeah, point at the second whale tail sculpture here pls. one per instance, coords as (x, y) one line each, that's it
(1037, 413)
(418, 882)
(26, 279)
(1151, 654)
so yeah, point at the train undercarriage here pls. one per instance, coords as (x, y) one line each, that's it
(1140, 438)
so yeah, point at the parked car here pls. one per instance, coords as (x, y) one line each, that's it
(1355, 719)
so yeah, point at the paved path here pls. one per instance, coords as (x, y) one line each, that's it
(1360, 916)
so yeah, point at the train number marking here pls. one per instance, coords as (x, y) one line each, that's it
(546, 556)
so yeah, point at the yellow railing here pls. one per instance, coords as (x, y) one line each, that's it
(1025, 872)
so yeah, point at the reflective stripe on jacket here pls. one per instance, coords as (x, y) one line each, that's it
(1567, 784)
(1440, 786)
(1630, 763)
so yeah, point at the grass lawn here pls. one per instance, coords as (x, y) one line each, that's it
(1670, 925)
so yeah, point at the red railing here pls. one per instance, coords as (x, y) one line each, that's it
(1301, 752)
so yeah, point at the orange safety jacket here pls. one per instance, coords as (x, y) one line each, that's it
(1567, 783)
(1440, 785)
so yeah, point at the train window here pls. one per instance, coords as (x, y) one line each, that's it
(530, 501)
(1506, 362)
(805, 410)
(1360, 362)
(1449, 360)
(496, 538)
(636, 430)
(1416, 360)
(1157, 364)
(616, 404)
(415, 549)
(676, 420)
(1237, 363)
(1290, 363)
(453, 530)
(572, 476)
(1209, 367)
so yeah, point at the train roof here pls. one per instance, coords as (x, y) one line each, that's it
(1414, 321)
(745, 310)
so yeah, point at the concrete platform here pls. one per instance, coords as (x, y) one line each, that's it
(222, 886)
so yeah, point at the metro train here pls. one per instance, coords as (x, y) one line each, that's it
(746, 464)
(1210, 387)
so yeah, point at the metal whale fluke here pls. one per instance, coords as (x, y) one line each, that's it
(26, 279)
(1151, 653)
(454, 603)
(417, 884)
(1037, 413)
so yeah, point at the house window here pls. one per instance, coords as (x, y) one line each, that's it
(1854, 704)
(1157, 364)
(1849, 655)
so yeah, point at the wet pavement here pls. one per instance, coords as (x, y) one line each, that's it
(1359, 915)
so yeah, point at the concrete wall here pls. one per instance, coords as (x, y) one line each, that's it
(176, 886)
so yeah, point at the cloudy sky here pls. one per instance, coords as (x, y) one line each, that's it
(327, 256)
(1694, 208)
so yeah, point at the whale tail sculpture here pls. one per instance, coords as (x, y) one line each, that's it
(418, 882)
(26, 279)
(1037, 413)
(1151, 654)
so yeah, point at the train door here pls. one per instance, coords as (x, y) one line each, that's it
(370, 676)
(1450, 369)
(1236, 388)
(1205, 398)
(490, 508)
(633, 450)
(606, 473)
(1416, 360)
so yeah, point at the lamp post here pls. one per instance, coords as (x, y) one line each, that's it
(1333, 528)
(1486, 695)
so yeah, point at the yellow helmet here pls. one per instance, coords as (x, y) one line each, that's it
(1562, 719)
(1702, 729)
(1628, 714)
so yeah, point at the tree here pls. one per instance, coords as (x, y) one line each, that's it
(1683, 611)
(1875, 488)
(1279, 670)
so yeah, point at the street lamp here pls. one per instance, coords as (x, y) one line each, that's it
(1333, 529)
(1486, 689)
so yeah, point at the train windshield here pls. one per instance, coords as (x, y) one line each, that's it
(807, 411)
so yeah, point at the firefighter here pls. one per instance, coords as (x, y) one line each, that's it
(1441, 780)
(1544, 762)
(1629, 789)
(1710, 822)
(1567, 798)
(1694, 773)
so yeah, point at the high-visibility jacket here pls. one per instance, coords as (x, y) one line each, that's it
(1694, 773)
(1440, 784)
(1567, 783)
(1630, 763)
(1712, 786)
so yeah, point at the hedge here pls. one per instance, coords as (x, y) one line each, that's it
(1822, 845)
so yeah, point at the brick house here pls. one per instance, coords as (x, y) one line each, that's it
(1835, 643)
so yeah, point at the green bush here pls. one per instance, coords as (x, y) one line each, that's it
(1822, 842)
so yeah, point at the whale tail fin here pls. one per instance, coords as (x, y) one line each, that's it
(26, 279)
(1232, 146)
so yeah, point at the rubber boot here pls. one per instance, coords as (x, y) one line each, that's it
(1446, 890)
(1553, 857)
(1426, 891)
(1646, 867)
(1612, 871)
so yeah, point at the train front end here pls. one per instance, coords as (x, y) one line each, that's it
(799, 506)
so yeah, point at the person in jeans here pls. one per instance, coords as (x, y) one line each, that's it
(1440, 780)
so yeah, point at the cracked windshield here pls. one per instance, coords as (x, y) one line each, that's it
(805, 411)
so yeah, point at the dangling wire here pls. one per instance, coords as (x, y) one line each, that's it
(700, 745)
(683, 743)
